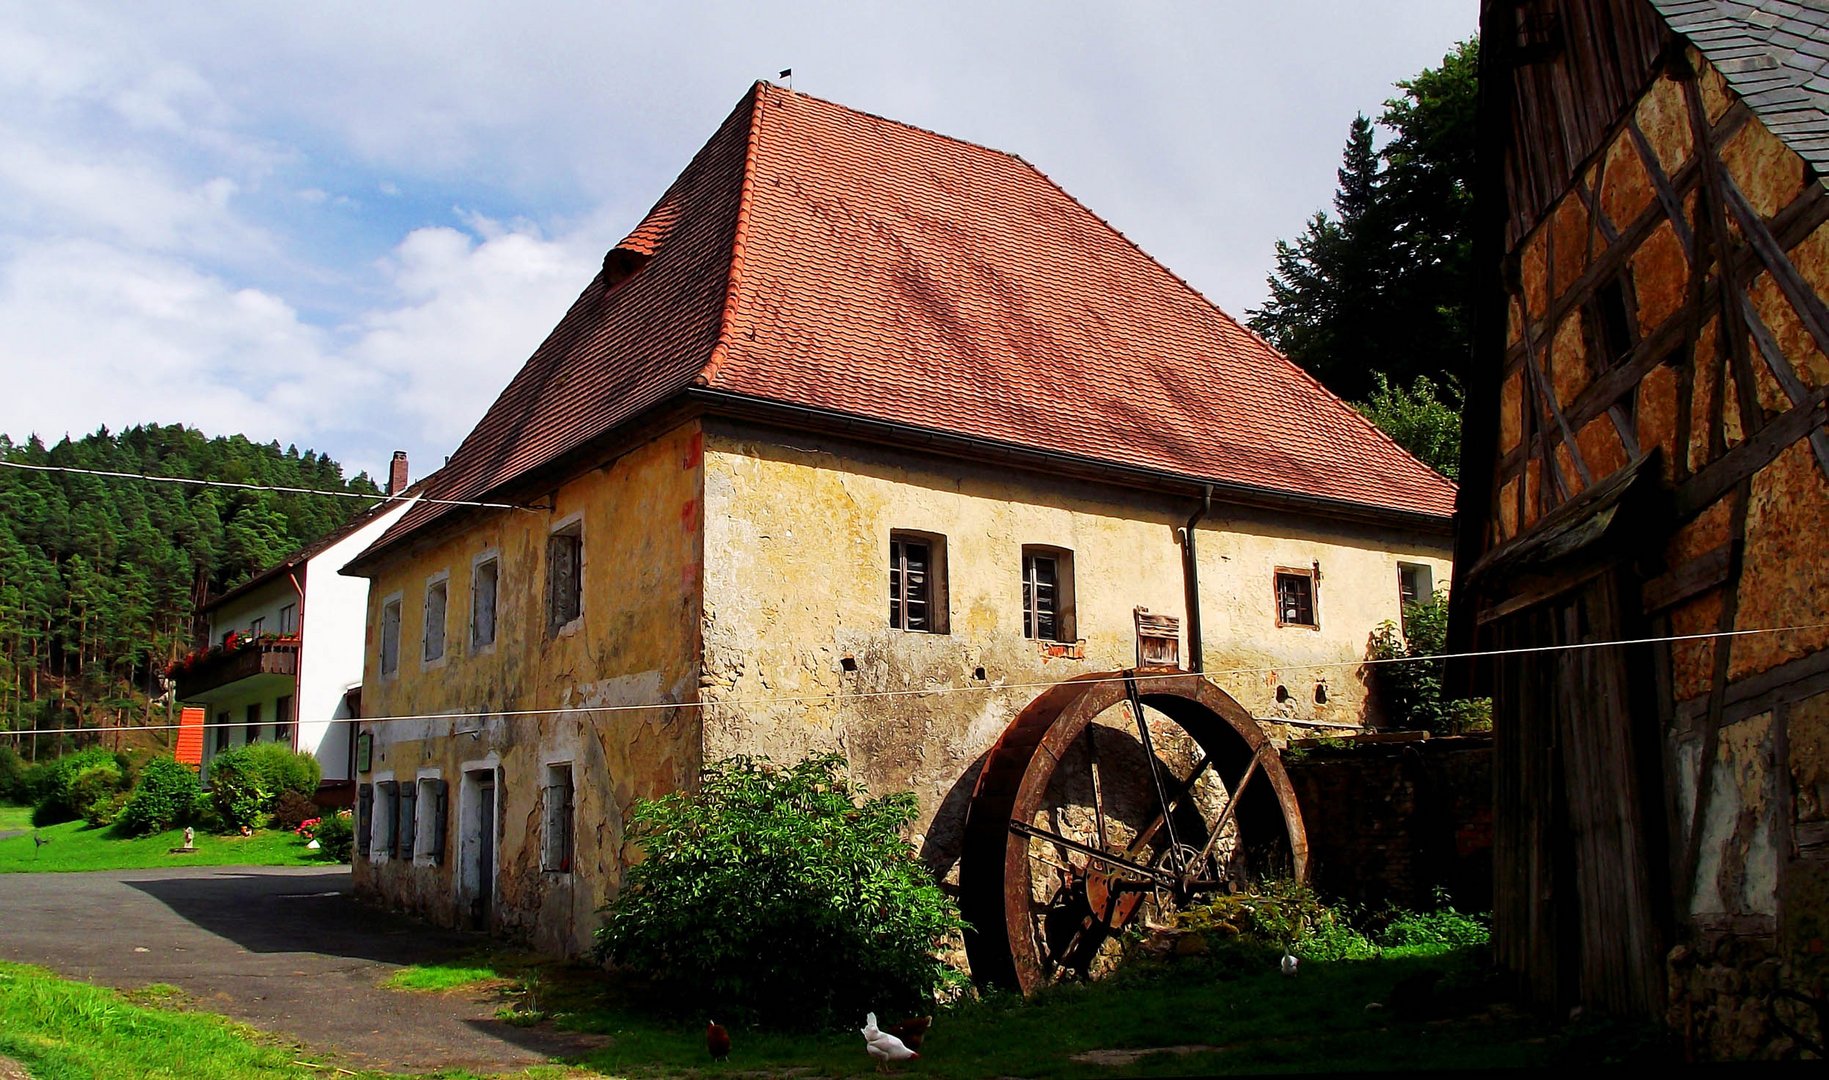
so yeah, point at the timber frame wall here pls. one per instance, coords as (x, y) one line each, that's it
(1653, 343)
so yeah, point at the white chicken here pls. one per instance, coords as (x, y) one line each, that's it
(883, 1046)
(1289, 964)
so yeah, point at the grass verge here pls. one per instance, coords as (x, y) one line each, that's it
(438, 978)
(63, 1030)
(15, 817)
(76, 845)
(1262, 1022)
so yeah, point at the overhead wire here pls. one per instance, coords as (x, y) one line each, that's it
(839, 697)
(280, 488)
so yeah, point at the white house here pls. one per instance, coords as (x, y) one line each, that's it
(284, 656)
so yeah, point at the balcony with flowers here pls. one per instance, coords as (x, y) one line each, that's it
(205, 673)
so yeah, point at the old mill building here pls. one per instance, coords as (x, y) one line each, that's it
(861, 439)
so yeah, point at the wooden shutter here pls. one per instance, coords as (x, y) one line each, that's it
(408, 824)
(365, 816)
(440, 794)
(390, 797)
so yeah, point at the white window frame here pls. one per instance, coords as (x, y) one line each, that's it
(435, 582)
(938, 598)
(1066, 622)
(424, 823)
(381, 824)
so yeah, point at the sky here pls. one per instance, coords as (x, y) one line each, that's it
(344, 226)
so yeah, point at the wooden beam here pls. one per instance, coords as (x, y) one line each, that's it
(1697, 576)
(1719, 476)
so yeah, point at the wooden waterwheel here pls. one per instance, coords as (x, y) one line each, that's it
(1114, 797)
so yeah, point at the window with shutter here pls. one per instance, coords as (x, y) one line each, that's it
(408, 819)
(387, 813)
(482, 604)
(365, 817)
(390, 636)
(436, 594)
(564, 575)
(1295, 598)
(435, 798)
(556, 849)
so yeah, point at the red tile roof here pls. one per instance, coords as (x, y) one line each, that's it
(825, 258)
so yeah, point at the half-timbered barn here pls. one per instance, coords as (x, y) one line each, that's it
(1653, 358)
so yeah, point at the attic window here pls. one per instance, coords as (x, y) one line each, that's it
(620, 265)
(1611, 322)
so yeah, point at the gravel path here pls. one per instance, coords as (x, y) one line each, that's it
(285, 949)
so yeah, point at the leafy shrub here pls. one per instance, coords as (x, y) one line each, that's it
(163, 798)
(781, 892)
(1411, 688)
(1443, 928)
(103, 799)
(13, 775)
(1282, 914)
(336, 835)
(57, 798)
(291, 810)
(282, 768)
(246, 781)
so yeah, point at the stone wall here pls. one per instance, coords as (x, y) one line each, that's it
(1391, 822)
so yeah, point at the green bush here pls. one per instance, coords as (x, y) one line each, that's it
(336, 835)
(57, 799)
(1443, 928)
(782, 893)
(13, 775)
(161, 800)
(1283, 915)
(1409, 685)
(291, 810)
(247, 780)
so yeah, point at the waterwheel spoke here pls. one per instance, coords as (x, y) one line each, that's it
(1149, 756)
(1098, 792)
(1148, 833)
(1023, 828)
(1226, 814)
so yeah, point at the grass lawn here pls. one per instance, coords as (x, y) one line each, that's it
(77, 845)
(1258, 1023)
(15, 817)
(63, 1030)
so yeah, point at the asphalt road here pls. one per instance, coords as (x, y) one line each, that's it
(285, 949)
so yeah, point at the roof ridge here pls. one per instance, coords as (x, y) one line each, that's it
(903, 124)
(720, 349)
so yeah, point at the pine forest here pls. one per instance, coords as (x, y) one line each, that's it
(100, 577)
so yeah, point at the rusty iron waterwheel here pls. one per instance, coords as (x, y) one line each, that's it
(1115, 797)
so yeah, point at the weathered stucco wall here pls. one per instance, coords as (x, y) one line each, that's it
(799, 654)
(635, 643)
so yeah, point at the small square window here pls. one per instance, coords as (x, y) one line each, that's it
(482, 604)
(556, 839)
(390, 636)
(434, 637)
(1047, 594)
(1295, 598)
(917, 582)
(565, 575)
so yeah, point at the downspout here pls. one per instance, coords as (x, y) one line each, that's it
(298, 662)
(1190, 572)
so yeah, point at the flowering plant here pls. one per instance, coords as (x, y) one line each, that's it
(308, 829)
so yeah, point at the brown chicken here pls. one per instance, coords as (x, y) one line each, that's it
(717, 1040)
(911, 1032)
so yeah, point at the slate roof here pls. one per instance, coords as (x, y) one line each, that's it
(819, 257)
(1775, 55)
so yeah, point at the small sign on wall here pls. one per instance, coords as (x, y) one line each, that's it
(365, 748)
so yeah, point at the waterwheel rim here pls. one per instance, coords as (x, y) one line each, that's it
(997, 885)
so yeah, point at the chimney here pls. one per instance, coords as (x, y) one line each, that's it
(396, 474)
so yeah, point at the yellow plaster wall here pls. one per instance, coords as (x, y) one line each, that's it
(635, 643)
(797, 542)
